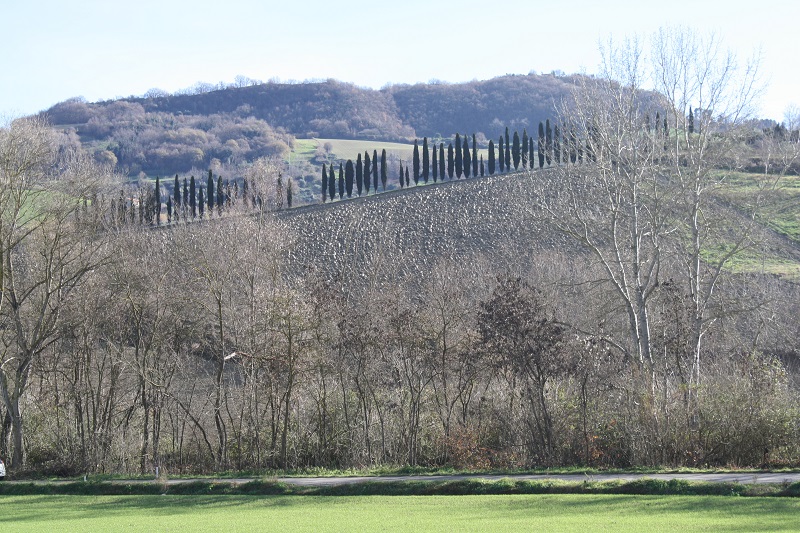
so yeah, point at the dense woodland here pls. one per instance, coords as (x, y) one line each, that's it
(596, 307)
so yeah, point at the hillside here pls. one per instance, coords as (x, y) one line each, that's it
(173, 133)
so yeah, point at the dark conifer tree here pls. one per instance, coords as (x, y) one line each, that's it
(481, 165)
(434, 164)
(169, 210)
(185, 202)
(157, 201)
(426, 161)
(341, 181)
(324, 183)
(691, 120)
(666, 135)
(359, 174)
(384, 170)
(348, 177)
(289, 192)
(524, 148)
(200, 202)
(548, 143)
(474, 156)
(491, 157)
(375, 171)
(501, 158)
(402, 177)
(441, 161)
(210, 193)
(508, 152)
(407, 183)
(220, 195)
(459, 161)
(415, 163)
(450, 162)
(515, 150)
(331, 183)
(367, 172)
(192, 197)
(541, 145)
(556, 145)
(467, 158)
(176, 193)
(531, 161)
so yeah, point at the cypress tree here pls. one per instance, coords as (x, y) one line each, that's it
(375, 171)
(279, 191)
(169, 210)
(157, 200)
(691, 120)
(434, 164)
(324, 183)
(556, 145)
(359, 174)
(200, 202)
(289, 192)
(176, 192)
(548, 143)
(192, 198)
(501, 154)
(416, 163)
(367, 172)
(450, 163)
(540, 145)
(210, 190)
(185, 203)
(515, 151)
(348, 177)
(426, 161)
(402, 178)
(666, 135)
(341, 181)
(220, 195)
(467, 158)
(481, 165)
(524, 148)
(407, 184)
(491, 157)
(459, 161)
(441, 161)
(531, 161)
(384, 171)
(331, 183)
(508, 152)
(474, 156)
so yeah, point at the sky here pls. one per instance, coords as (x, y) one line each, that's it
(104, 49)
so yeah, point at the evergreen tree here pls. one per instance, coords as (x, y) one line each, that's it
(289, 192)
(407, 183)
(691, 120)
(450, 163)
(384, 171)
(192, 197)
(200, 202)
(331, 183)
(157, 200)
(474, 156)
(467, 158)
(515, 151)
(341, 181)
(402, 178)
(210, 190)
(666, 135)
(491, 157)
(278, 192)
(508, 152)
(220, 195)
(548, 143)
(375, 170)
(481, 165)
(556, 145)
(426, 162)
(501, 158)
(169, 210)
(359, 174)
(441, 161)
(324, 183)
(434, 164)
(459, 161)
(176, 192)
(185, 202)
(367, 172)
(524, 148)
(541, 145)
(416, 163)
(531, 161)
(348, 177)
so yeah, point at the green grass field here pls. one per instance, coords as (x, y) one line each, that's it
(398, 513)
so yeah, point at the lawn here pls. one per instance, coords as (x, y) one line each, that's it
(398, 513)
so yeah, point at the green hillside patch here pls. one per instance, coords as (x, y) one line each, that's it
(399, 513)
(753, 262)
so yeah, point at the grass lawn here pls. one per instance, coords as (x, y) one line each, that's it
(398, 513)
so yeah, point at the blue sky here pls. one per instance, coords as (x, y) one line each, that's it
(54, 50)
